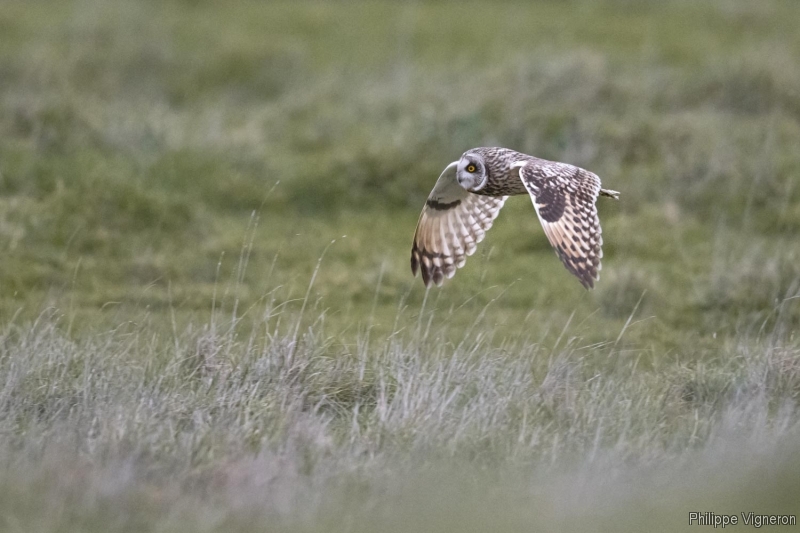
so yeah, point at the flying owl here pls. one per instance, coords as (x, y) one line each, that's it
(468, 196)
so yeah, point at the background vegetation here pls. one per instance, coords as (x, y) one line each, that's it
(207, 318)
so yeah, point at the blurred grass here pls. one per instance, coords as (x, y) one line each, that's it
(224, 428)
(160, 160)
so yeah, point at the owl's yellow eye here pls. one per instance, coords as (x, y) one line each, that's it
(471, 168)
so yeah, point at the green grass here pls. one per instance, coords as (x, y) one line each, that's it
(205, 297)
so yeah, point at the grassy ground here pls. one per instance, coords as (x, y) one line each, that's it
(207, 319)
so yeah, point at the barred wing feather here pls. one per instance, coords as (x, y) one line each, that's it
(450, 227)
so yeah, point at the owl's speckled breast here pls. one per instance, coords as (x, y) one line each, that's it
(503, 181)
(509, 184)
(503, 177)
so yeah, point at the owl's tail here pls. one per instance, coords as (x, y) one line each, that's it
(609, 193)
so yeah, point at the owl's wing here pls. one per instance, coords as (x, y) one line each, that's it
(564, 198)
(450, 227)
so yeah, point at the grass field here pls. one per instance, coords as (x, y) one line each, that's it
(207, 316)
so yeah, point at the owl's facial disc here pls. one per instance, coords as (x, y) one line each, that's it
(471, 173)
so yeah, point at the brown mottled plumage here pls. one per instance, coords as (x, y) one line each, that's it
(468, 196)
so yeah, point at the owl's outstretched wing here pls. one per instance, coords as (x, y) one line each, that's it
(450, 227)
(564, 198)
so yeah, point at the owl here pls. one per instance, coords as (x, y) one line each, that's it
(468, 196)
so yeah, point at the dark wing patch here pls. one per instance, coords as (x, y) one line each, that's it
(450, 227)
(550, 201)
(564, 198)
(439, 206)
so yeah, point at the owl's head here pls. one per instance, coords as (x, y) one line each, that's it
(471, 171)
